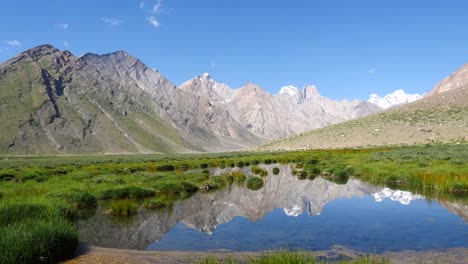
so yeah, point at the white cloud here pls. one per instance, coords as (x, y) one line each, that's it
(14, 43)
(213, 64)
(152, 21)
(372, 71)
(62, 26)
(65, 43)
(157, 7)
(142, 4)
(112, 21)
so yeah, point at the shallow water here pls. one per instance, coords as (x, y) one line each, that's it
(288, 213)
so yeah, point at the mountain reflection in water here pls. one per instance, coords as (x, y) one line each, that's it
(287, 213)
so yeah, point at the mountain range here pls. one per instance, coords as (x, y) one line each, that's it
(52, 102)
(439, 117)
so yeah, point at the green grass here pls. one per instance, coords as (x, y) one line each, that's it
(36, 231)
(77, 198)
(276, 171)
(124, 207)
(254, 183)
(291, 257)
(127, 192)
(49, 190)
(259, 171)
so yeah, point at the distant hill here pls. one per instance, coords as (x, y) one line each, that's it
(441, 116)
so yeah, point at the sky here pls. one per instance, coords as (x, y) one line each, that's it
(347, 48)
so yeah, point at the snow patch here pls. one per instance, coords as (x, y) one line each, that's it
(402, 197)
(290, 89)
(294, 212)
(396, 98)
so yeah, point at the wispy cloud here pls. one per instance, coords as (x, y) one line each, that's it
(65, 43)
(14, 43)
(372, 71)
(62, 26)
(213, 64)
(152, 21)
(156, 7)
(142, 4)
(112, 21)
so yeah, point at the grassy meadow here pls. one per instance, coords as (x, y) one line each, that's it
(40, 197)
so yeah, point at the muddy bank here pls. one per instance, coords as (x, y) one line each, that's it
(95, 255)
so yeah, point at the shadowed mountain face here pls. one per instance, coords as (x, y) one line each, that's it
(52, 102)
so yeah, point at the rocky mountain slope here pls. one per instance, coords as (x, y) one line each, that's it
(398, 97)
(52, 102)
(290, 112)
(442, 116)
(456, 80)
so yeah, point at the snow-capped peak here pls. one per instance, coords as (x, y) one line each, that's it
(290, 89)
(205, 76)
(396, 98)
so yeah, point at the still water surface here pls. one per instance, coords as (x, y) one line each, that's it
(288, 213)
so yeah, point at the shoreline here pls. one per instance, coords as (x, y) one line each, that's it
(95, 255)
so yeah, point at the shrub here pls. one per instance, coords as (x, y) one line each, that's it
(125, 207)
(254, 183)
(205, 171)
(240, 164)
(267, 161)
(276, 170)
(299, 166)
(203, 166)
(126, 192)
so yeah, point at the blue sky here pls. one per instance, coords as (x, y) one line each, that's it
(349, 49)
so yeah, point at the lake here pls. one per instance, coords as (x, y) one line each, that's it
(288, 213)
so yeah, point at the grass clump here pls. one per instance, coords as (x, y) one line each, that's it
(76, 198)
(259, 171)
(35, 232)
(239, 177)
(254, 183)
(165, 167)
(175, 188)
(156, 203)
(127, 192)
(123, 207)
(292, 257)
(276, 171)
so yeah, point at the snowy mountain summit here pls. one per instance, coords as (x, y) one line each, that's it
(396, 98)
